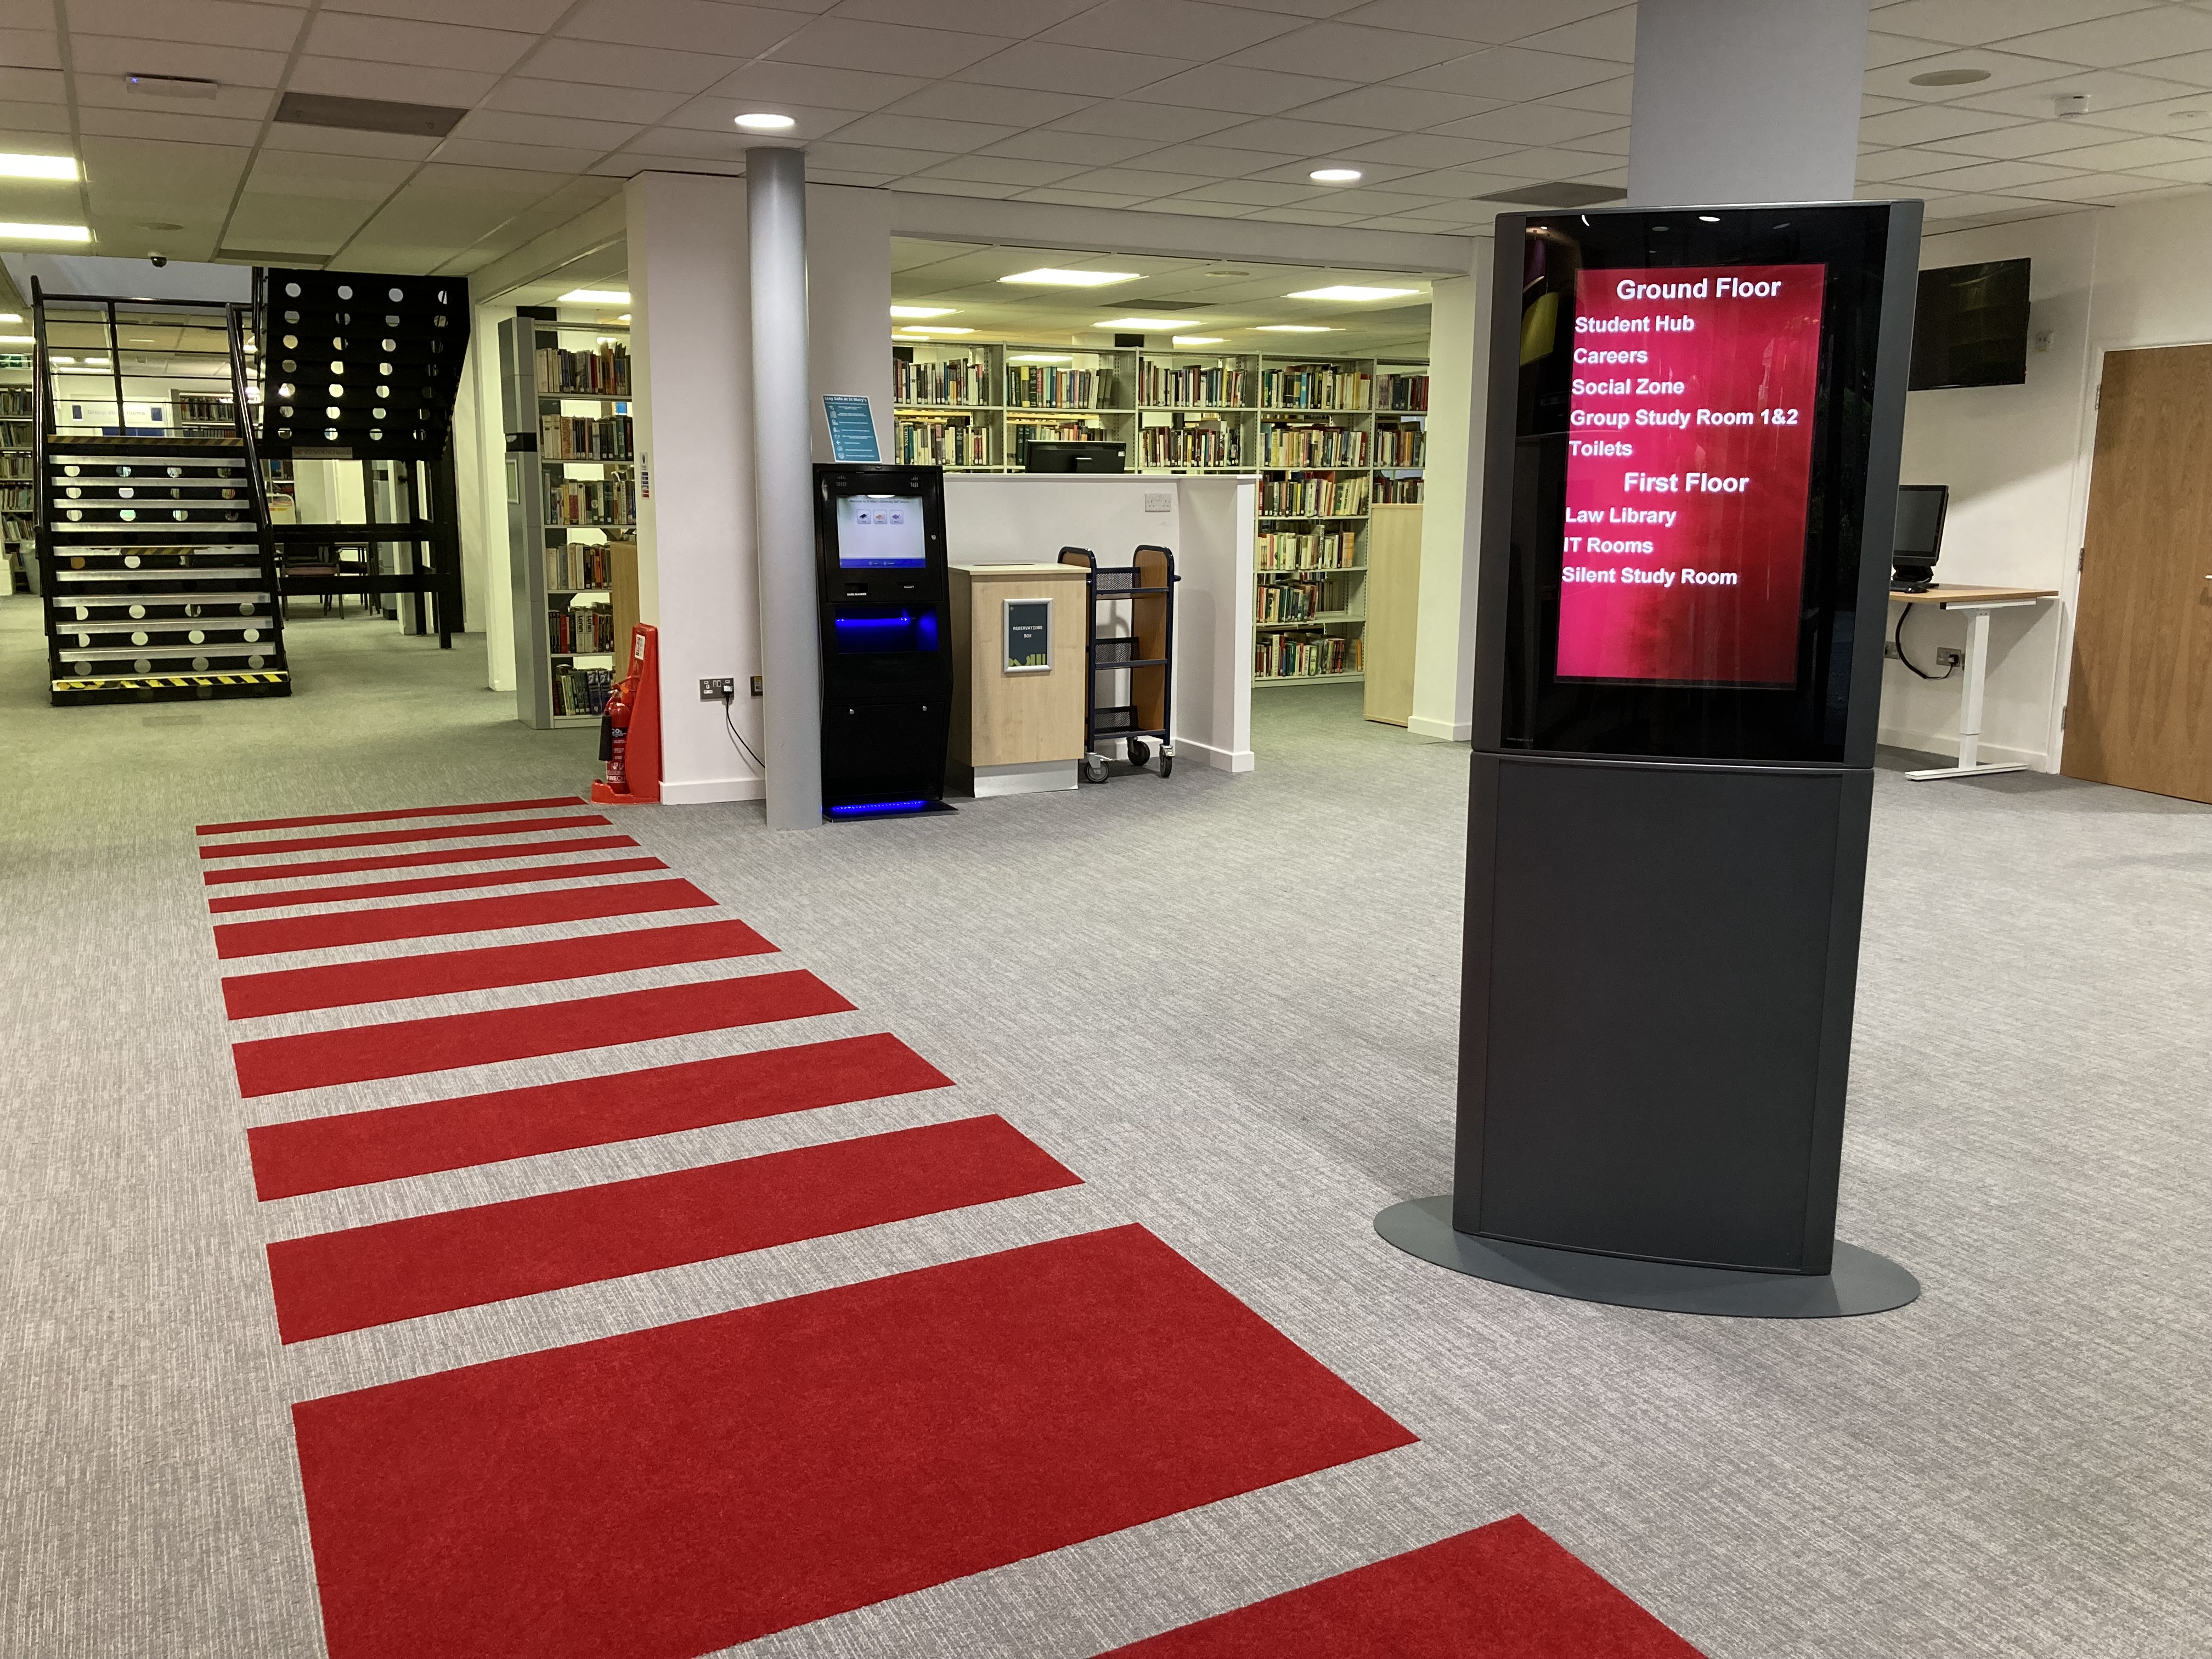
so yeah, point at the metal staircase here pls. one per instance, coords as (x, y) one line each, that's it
(157, 565)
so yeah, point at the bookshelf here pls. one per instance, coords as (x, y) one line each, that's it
(18, 509)
(1329, 437)
(571, 510)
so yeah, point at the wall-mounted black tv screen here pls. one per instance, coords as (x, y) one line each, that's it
(1971, 328)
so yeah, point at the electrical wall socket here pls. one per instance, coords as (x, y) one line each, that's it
(717, 690)
(1889, 650)
(1160, 501)
(1949, 656)
(756, 685)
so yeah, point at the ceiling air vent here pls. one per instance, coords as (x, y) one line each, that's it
(314, 109)
(1557, 195)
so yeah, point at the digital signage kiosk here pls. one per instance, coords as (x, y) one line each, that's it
(884, 602)
(1695, 419)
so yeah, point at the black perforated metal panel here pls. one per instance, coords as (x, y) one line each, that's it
(359, 364)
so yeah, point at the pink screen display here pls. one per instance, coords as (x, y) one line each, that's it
(1689, 459)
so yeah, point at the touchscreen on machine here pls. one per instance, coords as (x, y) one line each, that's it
(878, 531)
(1689, 461)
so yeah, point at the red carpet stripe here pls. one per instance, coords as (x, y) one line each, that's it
(318, 1059)
(1503, 1591)
(403, 860)
(369, 890)
(354, 1149)
(440, 972)
(628, 898)
(247, 849)
(679, 1489)
(349, 1281)
(397, 812)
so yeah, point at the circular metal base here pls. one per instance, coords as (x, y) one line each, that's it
(1861, 1282)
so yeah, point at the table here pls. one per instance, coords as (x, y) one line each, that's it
(1976, 604)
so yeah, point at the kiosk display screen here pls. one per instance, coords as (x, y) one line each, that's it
(877, 533)
(1689, 457)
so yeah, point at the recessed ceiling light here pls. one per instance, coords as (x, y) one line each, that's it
(762, 121)
(1198, 339)
(13, 166)
(1038, 357)
(1143, 322)
(20, 232)
(1709, 218)
(1052, 278)
(1295, 328)
(923, 311)
(595, 296)
(97, 363)
(1353, 291)
(11, 316)
(1950, 77)
(1335, 175)
(61, 360)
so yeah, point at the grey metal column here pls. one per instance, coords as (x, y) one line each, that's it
(783, 488)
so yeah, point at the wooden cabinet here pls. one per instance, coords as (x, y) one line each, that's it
(1016, 724)
(1394, 602)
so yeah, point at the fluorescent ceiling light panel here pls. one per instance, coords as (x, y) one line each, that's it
(1335, 175)
(1295, 328)
(16, 166)
(1051, 278)
(923, 311)
(11, 316)
(925, 332)
(1143, 322)
(1198, 339)
(594, 296)
(16, 340)
(763, 121)
(1354, 291)
(16, 233)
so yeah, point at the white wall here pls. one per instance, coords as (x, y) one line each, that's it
(496, 594)
(1451, 497)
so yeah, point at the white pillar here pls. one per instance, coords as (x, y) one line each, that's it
(1451, 502)
(1746, 100)
(783, 485)
(689, 277)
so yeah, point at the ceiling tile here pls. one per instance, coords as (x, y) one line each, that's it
(1010, 106)
(1403, 109)
(357, 178)
(1994, 175)
(1172, 28)
(1532, 124)
(850, 43)
(1611, 35)
(287, 223)
(1137, 181)
(718, 117)
(1926, 125)
(2003, 70)
(2191, 114)
(1004, 170)
(1615, 142)
(1510, 72)
(1486, 21)
(769, 83)
(507, 126)
(1078, 197)
(32, 49)
(1192, 208)
(1090, 149)
(2195, 67)
(562, 97)
(871, 158)
(2188, 172)
(923, 184)
(1256, 92)
(710, 26)
(115, 54)
(216, 22)
(167, 125)
(1051, 67)
(2032, 138)
(1350, 53)
(2108, 90)
(406, 83)
(1424, 149)
(1889, 166)
(1161, 122)
(1607, 97)
(532, 158)
(1541, 162)
(336, 141)
(1210, 161)
(22, 117)
(1250, 192)
(1883, 50)
(1015, 20)
(389, 40)
(1971, 22)
(1462, 181)
(34, 85)
(921, 132)
(2136, 37)
(531, 16)
(2090, 188)
(2133, 155)
(1285, 137)
(652, 67)
(717, 145)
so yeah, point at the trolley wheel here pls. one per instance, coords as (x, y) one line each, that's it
(1094, 767)
(1167, 764)
(1139, 751)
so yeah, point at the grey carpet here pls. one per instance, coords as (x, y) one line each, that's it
(1228, 1004)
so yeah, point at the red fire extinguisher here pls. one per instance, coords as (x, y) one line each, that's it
(614, 746)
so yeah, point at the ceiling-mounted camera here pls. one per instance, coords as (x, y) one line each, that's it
(161, 259)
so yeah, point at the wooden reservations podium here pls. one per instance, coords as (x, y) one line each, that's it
(1017, 673)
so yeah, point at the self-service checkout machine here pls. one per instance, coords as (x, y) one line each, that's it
(883, 601)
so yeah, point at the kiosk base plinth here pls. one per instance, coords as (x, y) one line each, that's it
(1861, 1282)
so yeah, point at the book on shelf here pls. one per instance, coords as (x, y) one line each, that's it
(1314, 385)
(1196, 386)
(943, 443)
(1289, 656)
(578, 567)
(585, 630)
(1401, 391)
(1193, 445)
(1285, 444)
(611, 503)
(198, 408)
(17, 498)
(604, 373)
(964, 382)
(1397, 492)
(1040, 385)
(584, 437)
(1401, 445)
(15, 402)
(1312, 550)
(582, 691)
(1318, 496)
(1291, 602)
(1021, 433)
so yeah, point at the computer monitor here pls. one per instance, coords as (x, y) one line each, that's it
(1918, 537)
(1053, 456)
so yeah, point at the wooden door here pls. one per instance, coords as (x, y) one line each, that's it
(1394, 602)
(2139, 705)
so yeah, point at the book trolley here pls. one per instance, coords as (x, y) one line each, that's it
(1142, 647)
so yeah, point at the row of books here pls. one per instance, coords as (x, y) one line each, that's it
(1040, 385)
(1314, 498)
(582, 691)
(943, 443)
(1324, 549)
(15, 464)
(591, 500)
(966, 382)
(604, 373)
(1306, 656)
(15, 402)
(1291, 602)
(1314, 385)
(582, 438)
(1398, 492)
(578, 567)
(1313, 445)
(1193, 445)
(587, 630)
(1196, 386)
(1022, 434)
(1401, 391)
(17, 498)
(196, 409)
(1401, 445)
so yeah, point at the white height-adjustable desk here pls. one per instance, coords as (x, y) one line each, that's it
(1975, 603)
